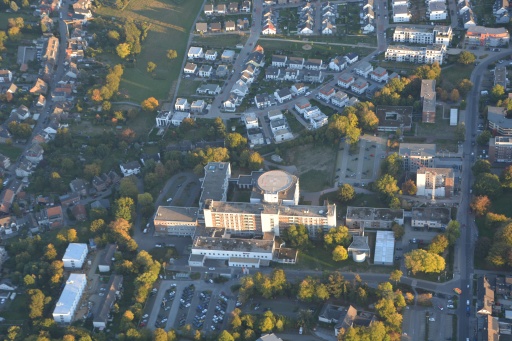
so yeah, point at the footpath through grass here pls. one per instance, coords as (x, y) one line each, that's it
(170, 26)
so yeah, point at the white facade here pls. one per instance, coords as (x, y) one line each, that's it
(178, 118)
(250, 120)
(359, 86)
(422, 55)
(454, 114)
(70, 298)
(406, 34)
(75, 255)
(195, 53)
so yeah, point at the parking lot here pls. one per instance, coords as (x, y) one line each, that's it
(435, 321)
(200, 304)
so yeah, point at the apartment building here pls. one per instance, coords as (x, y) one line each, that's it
(435, 182)
(373, 218)
(498, 121)
(500, 149)
(414, 35)
(175, 221)
(415, 54)
(487, 36)
(443, 35)
(417, 155)
(431, 217)
(428, 98)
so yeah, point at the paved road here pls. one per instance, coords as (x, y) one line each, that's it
(318, 42)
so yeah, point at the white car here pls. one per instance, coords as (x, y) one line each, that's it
(169, 200)
(432, 319)
(450, 306)
(211, 269)
(102, 294)
(145, 316)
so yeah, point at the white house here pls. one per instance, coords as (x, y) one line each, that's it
(279, 124)
(262, 101)
(302, 105)
(296, 63)
(401, 13)
(311, 112)
(340, 99)
(279, 61)
(240, 88)
(210, 55)
(181, 104)
(178, 117)
(318, 121)
(338, 63)
(205, 71)
(272, 72)
(198, 106)
(379, 75)
(250, 120)
(75, 255)
(437, 10)
(190, 68)
(130, 168)
(326, 93)
(269, 29)
(299, 89)
(282, 135)
(69, 298)
(359, 86)
(208, 89)
(351, 57)
(364, 69)
(283, 95)
(306, 30)
(468, 19)
(291, 74)
(275, 115)
(463, 6)
(313, 64)
(195, 53)
(345, 80)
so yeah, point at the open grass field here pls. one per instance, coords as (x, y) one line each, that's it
(11, 152)
(188, 87)
(170, 27)
(220, 41)
(324, 51)
(453, 74)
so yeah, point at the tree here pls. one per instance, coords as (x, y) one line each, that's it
(50, 253)
(480, 167)
(392, 165)
(128, 187)
(150, 104)
(480, 204)
(464, 87)
(150, 67)
(395, 275)
(487, 184)
(255, 161)
(14, 6)
(452, 232)
(37, 302)
(385, 290)
(159, 334)
(506, 177)
(123, 50)
(409, 187)
(307, 289)
(339, 254)
(398, 230)
(460, 132)
(172, 54)
(483, 138)
(386, 185)
(123, 208)
(337, 236)
(420, 260)
(225, 336)
(497, 92)
(235, 141)
(296, 236)
(346, 193)
(438, 244)
(454, 95)
(466, 58)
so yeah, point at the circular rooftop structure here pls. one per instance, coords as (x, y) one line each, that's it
(275, 181)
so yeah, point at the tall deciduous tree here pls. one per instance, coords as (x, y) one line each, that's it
(150, 104)
(346, 193)
(123, 50)
(420, 260)
(438, 244)
(452, 232)
(337, 236)
(409, 187)
(487, 184)
(466, 58)
(480, 204)
(339, 254)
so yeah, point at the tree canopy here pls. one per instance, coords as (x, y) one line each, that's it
(420, 260)
(466, 58)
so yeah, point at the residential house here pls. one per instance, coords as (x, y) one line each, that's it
(78, 186)
(299, 89)
(351, 57)
(256, 57)
(55, 216)
(39, 88)
(216, 27)
(364, 69)
(318, 121)
(339, 99)
(195, 53)
(100, 182)
(313, 64)
(246, 7)
(221, 9)
(233, 7)
(262, 101)
(279, 61)
(25, 168)
(468, 19)
(229, 25)
(291, 74)
(198, 106)
(359, 86)
(463, 6)
(310, 112)
(163, 119)
(283, 95)
(500, 11)
(190, 68)
(313, 76)
(326, 93)
(22, 112)
(401, 13)
(209, 89)
(201, 27)
(240, 88)
(485, 297)
(105, 263)
(302, 105)
(205, 71)
(79, 212)
(275, 115)
(306, 30)
(338, 63)
(228, 56)
(232, 102)
(250, 120)
(487, 36)
(328, 28)
(242, 24)
(222, 71)
(69, 199)
(178, 117)
(210, 55)
(296, 63)
(416, 54)
(345, 80)
(181, 104)
(437, 10)
(5, 162)
(130, 168)
(6, 200)
(208, 9)
(5, 76)
(269, 29)
(272, 73)
(379, 75)
(41, 101)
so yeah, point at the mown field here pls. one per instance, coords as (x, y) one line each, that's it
(170, 26)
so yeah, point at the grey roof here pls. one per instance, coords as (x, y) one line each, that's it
(359, 243)
(108, 254)
(498, 116)
(114, 285)
(417, 149)
(233, 244)
(215, 174)
(175, 213)
(269, 337)
(440, 214)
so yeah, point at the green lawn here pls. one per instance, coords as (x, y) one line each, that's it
(188, 87)
(170, 26)
(220, 41)
(10, 151)
(294, 124)
(453, 74)
(314, 180)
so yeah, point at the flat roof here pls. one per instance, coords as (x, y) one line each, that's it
(215, 174)
(394, 116)
(176, 213)
(401, 28)
(439, 171)
(441, 214)
(486, 30)
(373, 213)
(275, 181)
(73, 288)
(498, 116)
(263, 208)
(75, 251)
(384, 247)
(244, 260)
(233, 244)
(417, 149)
(196, 258)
